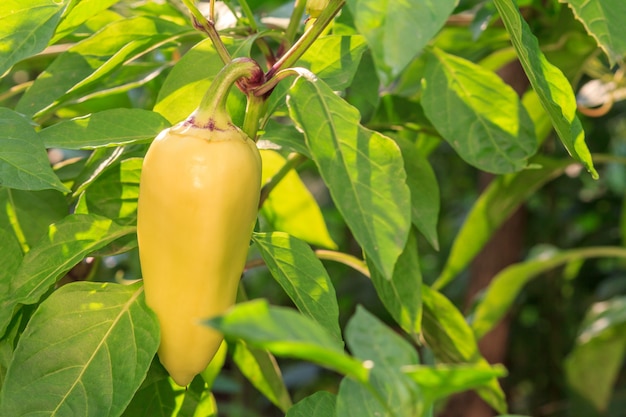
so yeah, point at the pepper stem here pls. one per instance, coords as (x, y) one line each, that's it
(212, 109)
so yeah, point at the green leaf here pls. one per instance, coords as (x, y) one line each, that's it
(261, 369)
(26, 28)
(363, 91)
(113, 127)
(507, 284)
(334, 59)
(102, 338)
(290, 207)
(548, 81)
(479, 115)
(157, 396)
(390, 29)
(187, 82)
(92, 60)
(10, 257)
(422, 182)
(319, 404)
(443, 380)
(363, 170)
(98, 162)
(285, 136)
(285, 332)
(303, 277)
(31, 212)
(449, 336)
(65, 245)
(81, 12)
(499, 200)
(604, 21)
(602, 340)
(24, 162)
(402, 294)
(114, 194)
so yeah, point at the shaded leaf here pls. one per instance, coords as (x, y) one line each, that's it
(477, 113)
(102, 338)
(24, 162)
(553, 89)
(107, 128)
(65, 245)
(319, 404)
(363, 170)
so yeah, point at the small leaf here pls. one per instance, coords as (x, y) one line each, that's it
(113, 127)
(290, 207)
(390, 29)
(102, 338)
(548, 81)
(26, 28)
(506, 285)
(65, 245)
(319, 404)
(478, 114)
(603, 21)
(285, 332)
(449, 336)
(402, 294)
(261, 369)
(499, 200)
(363, 170)
(24, 162)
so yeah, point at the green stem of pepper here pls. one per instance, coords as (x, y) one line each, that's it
(294, 21)
(208, 27)
(254, 111)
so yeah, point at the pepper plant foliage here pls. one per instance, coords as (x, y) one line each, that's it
(357, 103)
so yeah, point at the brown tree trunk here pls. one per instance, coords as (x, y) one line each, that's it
(504, 249)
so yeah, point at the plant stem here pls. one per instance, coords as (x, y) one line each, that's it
(254, 111)
(293, 161)
(306, 40)
(348, 260)
(294, 21)
(212, 108)
(208, 26)
(247, 11)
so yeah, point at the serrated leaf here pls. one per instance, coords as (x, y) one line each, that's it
(402, 294)
(303, 277)
(285, 332)
(114, 194)
(102, 338)
(26, 28)
(88, 62)
(66, 243)
(553, 89)
(449, 336)
(107, 128)
(507, 284)
(499, 200)
(24, 162)
(190, 78)
(390, 29)
(319, 404)
(604, 21)
(363, 170)
(261, 369)
(290, 207)
(478, 114)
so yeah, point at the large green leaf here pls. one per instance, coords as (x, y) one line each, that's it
(603, 19)
(92, 60)
(363, 170)
(290, 207)
(499, 200)
(66, 243)
(602, 340)
(24, 162)
(548, 81)
(506, 285)
(85, 352)
(81, 11)
(451, 339)
(478, 114)
(107, 128)
(303, 277)
(285, 332)
(397, 31)
(26, 27)
(320, 404)
(402, 294)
